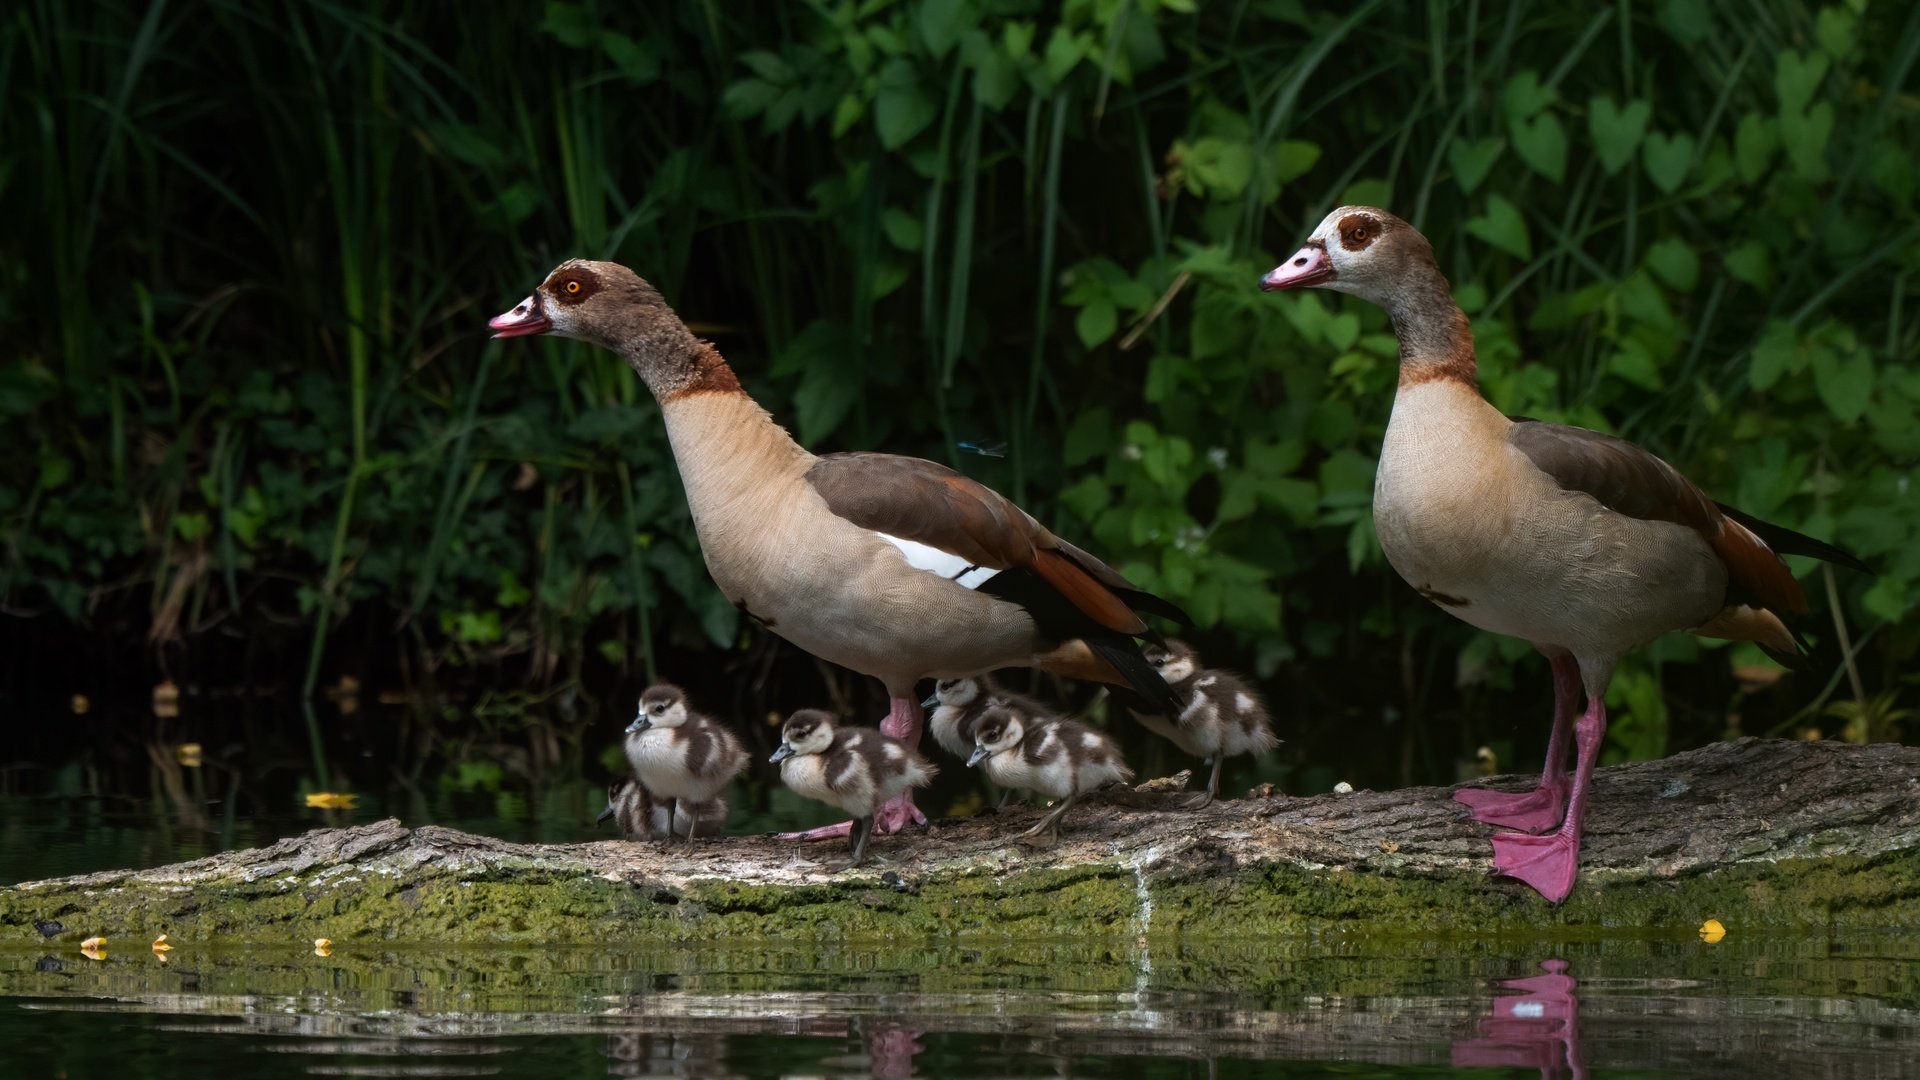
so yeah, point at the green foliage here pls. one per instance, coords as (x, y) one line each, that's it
(253, 256)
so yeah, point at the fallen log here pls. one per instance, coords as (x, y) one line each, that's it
(1754, 833)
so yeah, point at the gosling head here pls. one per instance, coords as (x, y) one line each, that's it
(663, 706)
(809, 731)
(1175, 661)
(959, 693)
(999, 729)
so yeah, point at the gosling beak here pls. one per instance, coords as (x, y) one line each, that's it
(781, 754)
(933, 699)
(640, 723)
(1309, 266)
(525, 318)
(605, 815)
(980, 754)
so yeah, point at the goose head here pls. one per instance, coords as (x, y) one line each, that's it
(999, 730)
(809, 731)
(601, 303)
(1360, 250)
(663, 706)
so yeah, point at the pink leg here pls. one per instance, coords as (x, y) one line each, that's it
(1543, 807)
(903, 723)
(1549, 863)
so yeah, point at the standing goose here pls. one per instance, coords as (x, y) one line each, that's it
(1060, 759)
(895, 567)
(1582, 544)
(854, 769)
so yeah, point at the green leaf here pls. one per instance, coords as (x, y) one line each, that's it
(941, 24)
(1753, 145)
(638, 61)
(1833, 28)
(1687, 20)
(568, 24)
(1343, 330)
(1541, 142)
(1503, 227)
(1844, 381)
(1292, 159)
(1668, 158)
(1064, 52)
(1750, 263)
(1090, 436)
(191, 527)
(902, 108)
(1777, 353)
(1633, 362)
(1087, 497)
(1616, 131)
(1523, 97)
(904, 230)
(1472, 161)
(1797, 78)
(1675, 263)
(1805, 134)
(1096, 322)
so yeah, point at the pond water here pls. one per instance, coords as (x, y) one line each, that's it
(1372, 1007)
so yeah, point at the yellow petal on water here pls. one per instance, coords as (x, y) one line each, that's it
(94, 943)
(322, 947)
(1711, 931)
(160, 944)
(188, 754)
(332, 800)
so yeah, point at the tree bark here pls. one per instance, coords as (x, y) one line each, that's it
(1759, 833)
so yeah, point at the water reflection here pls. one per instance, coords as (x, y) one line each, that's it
(1538, 1028)
(1802, 1007)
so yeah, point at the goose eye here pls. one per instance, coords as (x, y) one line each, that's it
(1358, 235)
(573, 288)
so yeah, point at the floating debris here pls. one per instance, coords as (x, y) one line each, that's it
(322, 947)
(160, 945)
(94, 948)
(1711, 931)
(332, 800)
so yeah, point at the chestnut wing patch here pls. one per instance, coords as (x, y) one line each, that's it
(1635, 483)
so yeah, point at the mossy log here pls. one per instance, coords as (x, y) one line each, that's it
(1755, 833)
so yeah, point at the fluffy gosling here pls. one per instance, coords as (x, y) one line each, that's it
(1060, 759)
(682, 758)
(1220, 715)
(640, 816)
(956, 705)
(853, 768)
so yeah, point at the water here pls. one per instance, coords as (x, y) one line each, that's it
(1671, 1007)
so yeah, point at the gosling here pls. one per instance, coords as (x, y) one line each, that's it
(681, 757)
(854, 768)
(1060, 759)
(957, 704)
(640, 816)
(1220, 715)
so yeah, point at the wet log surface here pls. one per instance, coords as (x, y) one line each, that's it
(1770, 833)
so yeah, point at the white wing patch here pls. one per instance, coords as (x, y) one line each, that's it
(948, 565)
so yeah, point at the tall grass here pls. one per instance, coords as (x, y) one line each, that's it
(252, 390)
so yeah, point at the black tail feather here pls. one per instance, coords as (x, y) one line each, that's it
(1787, 542)
(1125, 657)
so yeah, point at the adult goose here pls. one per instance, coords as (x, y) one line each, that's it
(1583, 544)
(895, 567)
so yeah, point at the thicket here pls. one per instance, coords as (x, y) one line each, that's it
(251, 249)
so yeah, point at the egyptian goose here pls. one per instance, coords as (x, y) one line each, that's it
(639, 816)
(854, 769)
(1220, 715)
(895, 567)
(679, 756)
(957, 705)
(1058, 758)
(1583, 544)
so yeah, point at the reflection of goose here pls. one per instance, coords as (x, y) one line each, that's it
(1537, 1028)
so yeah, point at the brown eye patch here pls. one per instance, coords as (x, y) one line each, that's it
(1357, 231)
(573, 285)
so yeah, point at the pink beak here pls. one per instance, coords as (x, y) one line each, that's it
(1309, 266)
(526, 318)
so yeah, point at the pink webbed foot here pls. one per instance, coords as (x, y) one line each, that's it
(895, 814)
(1535, 811)
(1547, 863)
